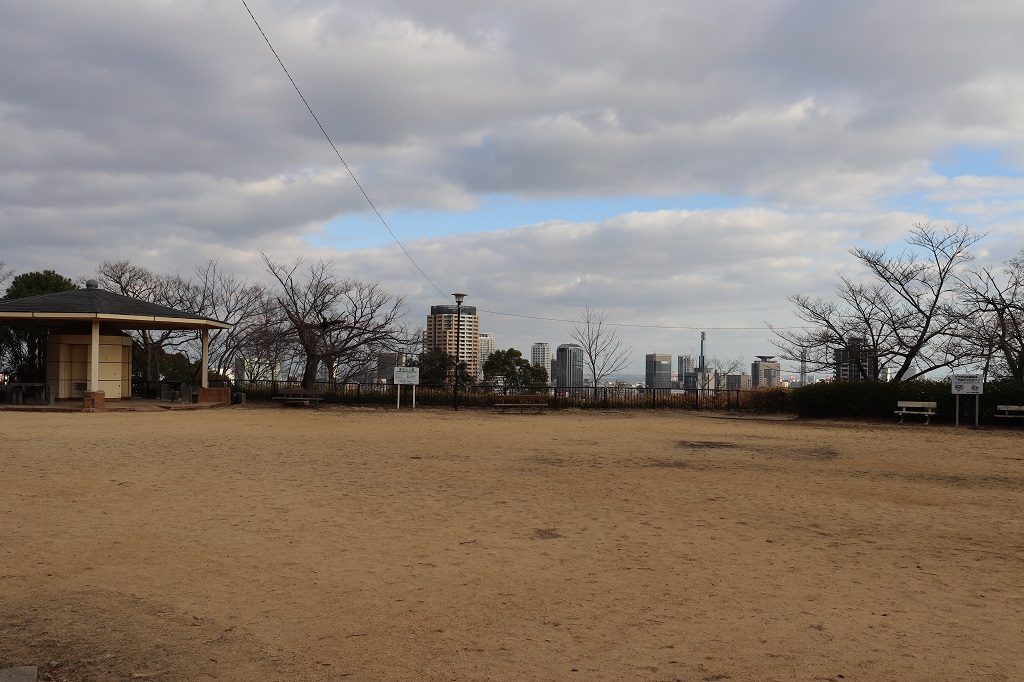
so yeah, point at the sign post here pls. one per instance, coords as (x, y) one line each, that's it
(406, 375)
(968, 384)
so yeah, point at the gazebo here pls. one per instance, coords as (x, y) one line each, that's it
(88, 354)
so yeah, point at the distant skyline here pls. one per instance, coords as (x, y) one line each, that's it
(675, 164)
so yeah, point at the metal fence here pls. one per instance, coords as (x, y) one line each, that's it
(585, 397)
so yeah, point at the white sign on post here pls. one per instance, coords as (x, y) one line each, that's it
(967, 384)
(406, 376)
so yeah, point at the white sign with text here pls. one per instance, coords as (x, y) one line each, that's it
(407, 375)
(967, 384)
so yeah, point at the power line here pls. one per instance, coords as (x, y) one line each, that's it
(338, 153)
(402, 246)
(640, 326)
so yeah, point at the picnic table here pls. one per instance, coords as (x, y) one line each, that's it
(16, 392)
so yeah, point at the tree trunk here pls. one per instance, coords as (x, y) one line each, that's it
(309, 371)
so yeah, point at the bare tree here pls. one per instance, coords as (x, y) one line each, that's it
(339, 324)
(716, 370)
(372, 327)
(604, 350)
(221, 296)
(122, 277)
(995, 325)
(908, 317)
(6, 274)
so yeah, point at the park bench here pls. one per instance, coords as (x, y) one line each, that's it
(299, 396)
(924, 408)
(1010, 411)
(527, 401)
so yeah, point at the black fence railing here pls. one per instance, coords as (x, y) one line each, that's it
(586, 397)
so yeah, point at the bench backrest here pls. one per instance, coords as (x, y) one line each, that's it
(917, 403)
(1010, 408)
(529, 397)
(300, 392)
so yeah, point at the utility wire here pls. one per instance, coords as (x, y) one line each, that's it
(408, 255)
(640, 326)
(338, 154)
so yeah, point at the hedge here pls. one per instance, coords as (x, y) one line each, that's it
(877, 400)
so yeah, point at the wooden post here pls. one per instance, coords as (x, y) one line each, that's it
(94, 357)
(205, 376)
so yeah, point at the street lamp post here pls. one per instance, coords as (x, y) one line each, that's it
(458, 343)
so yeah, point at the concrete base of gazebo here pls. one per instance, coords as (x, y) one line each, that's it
(133, 405)
(215, 395)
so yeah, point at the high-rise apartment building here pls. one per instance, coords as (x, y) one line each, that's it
(444, 329)
(684, 365)
(856, 362)
(386, 363)
(568, 366)
(659, 370)
(765, 371)
(540, 356)
(686, 374)
(486, 348)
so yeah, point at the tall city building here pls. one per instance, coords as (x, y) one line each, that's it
(738, 382)
(386, 363)
(686, 372)
(568, 366)
(684, 365)
(486, 348)
(857, 361)
(659, 370)
(765, 371)
(442, 331)
(540, 356)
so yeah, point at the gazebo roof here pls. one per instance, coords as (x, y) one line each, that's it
(93, 303)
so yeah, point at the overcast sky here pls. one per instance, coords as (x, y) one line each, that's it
(682, 164)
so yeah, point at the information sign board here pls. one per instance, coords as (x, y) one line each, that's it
(967, 384)
(407, 375)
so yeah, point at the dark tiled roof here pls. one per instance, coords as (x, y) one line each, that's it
(92, 301)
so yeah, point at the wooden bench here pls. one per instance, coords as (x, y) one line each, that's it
(299, 396)
(527, 401)
(923, 408)
(1010, 411)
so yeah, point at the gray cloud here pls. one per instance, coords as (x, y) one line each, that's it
(165, 133)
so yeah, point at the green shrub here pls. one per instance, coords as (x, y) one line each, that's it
(877, 400)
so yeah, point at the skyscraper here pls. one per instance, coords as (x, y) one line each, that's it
(857, 361)
(568, 366)
(540, 356)
(486, 348)
(659, 370)
(765, 371)
(687, 373)
(684, 365)
(441, 332)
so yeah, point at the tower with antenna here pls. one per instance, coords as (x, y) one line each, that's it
(700, 361)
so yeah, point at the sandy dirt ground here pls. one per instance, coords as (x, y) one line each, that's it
(343, 544)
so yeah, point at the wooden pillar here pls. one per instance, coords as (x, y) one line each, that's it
(94, 357)
(205, 376)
